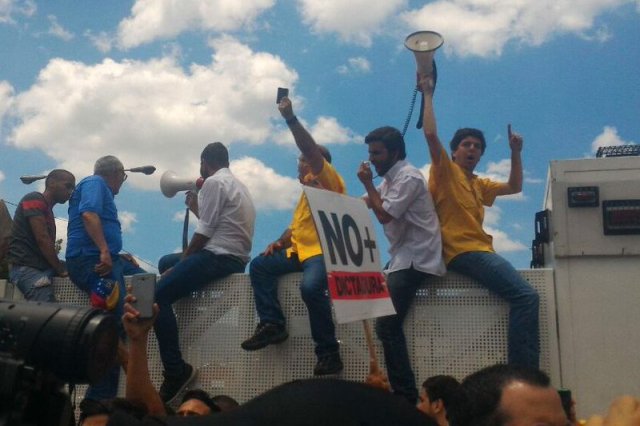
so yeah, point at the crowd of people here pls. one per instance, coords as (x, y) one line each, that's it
(431, 227)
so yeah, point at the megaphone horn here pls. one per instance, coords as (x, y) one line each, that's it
(171, 184)
(424, 44)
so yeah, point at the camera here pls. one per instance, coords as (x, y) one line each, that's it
(42, 347)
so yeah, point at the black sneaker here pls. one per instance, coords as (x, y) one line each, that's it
(328, 364)
(173, 385)
(265, 334)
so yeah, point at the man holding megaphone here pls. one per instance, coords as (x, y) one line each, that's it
(219, 247)
(460, 197)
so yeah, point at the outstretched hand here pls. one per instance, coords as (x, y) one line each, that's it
(286, 108)
(137, 328)
(515, 140)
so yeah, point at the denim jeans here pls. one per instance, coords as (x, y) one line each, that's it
(188, 275)
(402, 286)
(498, 276)
(264, 272)
(34, 284)
(80, 269)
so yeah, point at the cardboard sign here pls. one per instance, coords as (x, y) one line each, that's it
(356, 283)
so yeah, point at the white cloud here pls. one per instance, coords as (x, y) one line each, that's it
(9, 8)
(127, 221)
(2, 176)
(354, 65)
(6, 97)
(61, 234)
(269, 190)
(102, 41)
(57, 30)
(355, 21)
(501, 240)
(483, 28)
(162, 19)
(76, 112)
(608, 137)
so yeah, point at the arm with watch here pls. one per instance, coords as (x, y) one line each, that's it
(280, 244)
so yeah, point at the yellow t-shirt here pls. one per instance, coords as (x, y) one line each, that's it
(459, 203)
(304, 238)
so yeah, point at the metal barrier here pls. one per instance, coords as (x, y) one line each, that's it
(455, 327)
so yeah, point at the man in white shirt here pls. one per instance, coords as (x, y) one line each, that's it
(403, 205)
(219, 247)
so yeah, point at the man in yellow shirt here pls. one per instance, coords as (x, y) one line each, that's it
(460, 197)
(299, 250)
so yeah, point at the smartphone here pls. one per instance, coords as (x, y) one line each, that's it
(282, 92)
(143, 287)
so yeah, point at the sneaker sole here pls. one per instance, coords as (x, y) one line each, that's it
(193, 375)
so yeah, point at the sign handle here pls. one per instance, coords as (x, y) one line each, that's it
(376, 377)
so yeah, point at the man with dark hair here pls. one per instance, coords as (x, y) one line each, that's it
(442, 398)
(33, 258)
(94, 239)
(298, 250)
(460, 197)
(403, 205)
(219, 247)
(197, 402)
(505, 394)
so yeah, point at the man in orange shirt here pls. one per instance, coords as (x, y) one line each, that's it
(298, 250)
(460, 197)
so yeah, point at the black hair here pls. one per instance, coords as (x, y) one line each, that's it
(216, 155)
(225, 402)
(449, 390)
(483, 390)
(203, 397)
(57, 175)
(466, 132)
(391, 138)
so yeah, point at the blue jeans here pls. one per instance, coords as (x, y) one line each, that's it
(188, 275)
(34, 284)
(264, 272)
(402, 286)
(80, 269)
(498, 276)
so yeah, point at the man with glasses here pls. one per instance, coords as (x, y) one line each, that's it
(299, 250)
(33, 257)
(94, 239)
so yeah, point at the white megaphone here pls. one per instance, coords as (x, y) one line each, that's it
(171, 184)
(424, 44)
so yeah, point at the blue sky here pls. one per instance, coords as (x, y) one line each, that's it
(154, 81)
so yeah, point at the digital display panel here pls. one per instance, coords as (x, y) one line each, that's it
(621, 217)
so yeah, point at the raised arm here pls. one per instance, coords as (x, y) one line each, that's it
(303, 138)
(373, 199)
(426, 85)
(514, 185)
(139, 387)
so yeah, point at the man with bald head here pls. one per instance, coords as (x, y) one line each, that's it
(33, 258)
(510, 395)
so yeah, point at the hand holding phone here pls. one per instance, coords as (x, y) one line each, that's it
(282, 93)
(143, 287)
